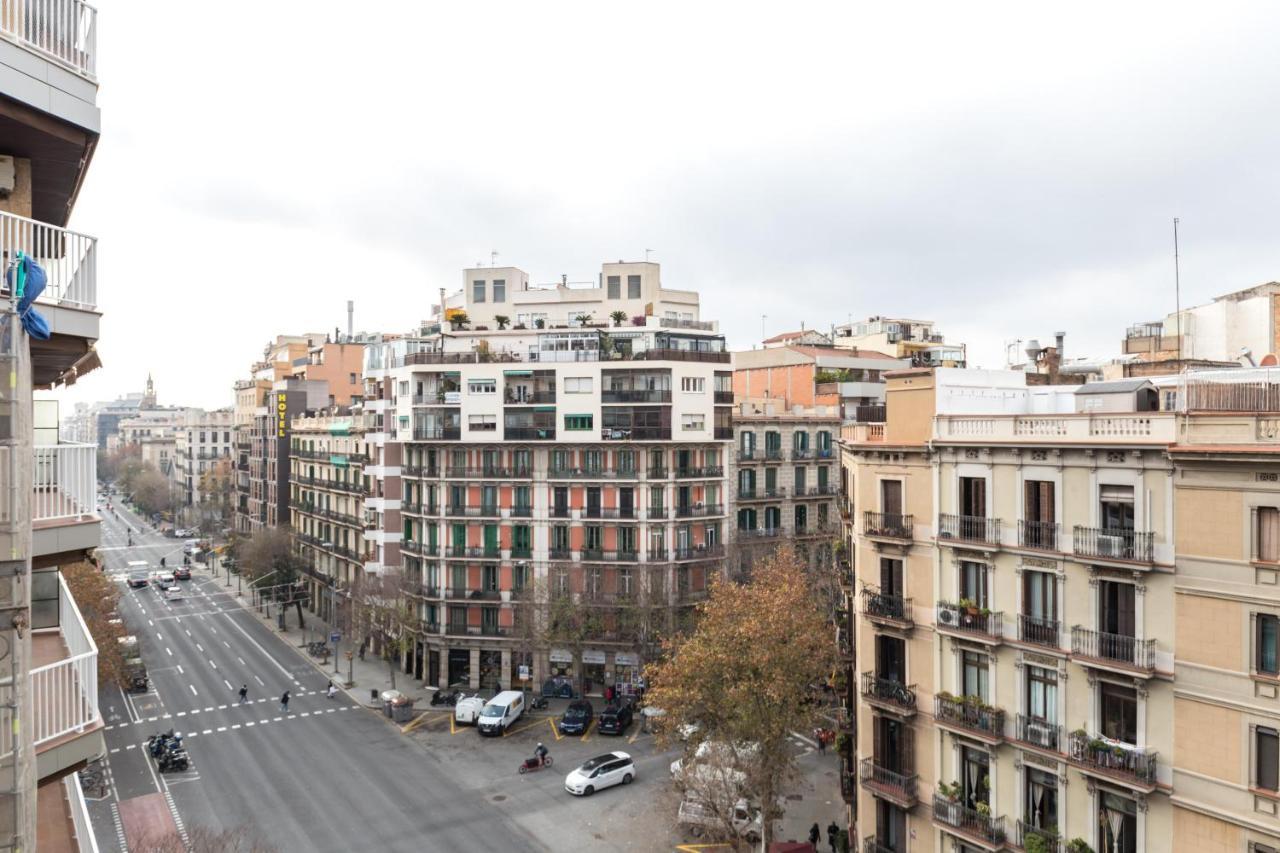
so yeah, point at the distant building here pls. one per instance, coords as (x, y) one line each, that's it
(807, 376)
(1236, 328)
(804, 337)
(916, 340)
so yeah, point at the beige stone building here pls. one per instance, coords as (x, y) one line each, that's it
(1015, 629)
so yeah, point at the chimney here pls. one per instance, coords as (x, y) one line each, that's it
(1058, 338)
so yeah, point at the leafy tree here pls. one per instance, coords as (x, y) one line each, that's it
(618, 317)
(218, 496)
(753, 651)
(150, 490)
(502, 320)
(571, 622)
(97, 597)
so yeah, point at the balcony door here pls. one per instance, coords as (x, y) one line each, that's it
(561, 500)
(891, 658)
(891, 577)
(891, 497)
(626, 502)
(973, 583)
(973, 497)
(891, 827)
(1041, 803)
(593, 501)
(893, 746)
(1116, 609)
(1118, 824)
(975, 778)
(1118, 711)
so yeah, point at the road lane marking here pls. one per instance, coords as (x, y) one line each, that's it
(207, 731)
(242, 663)
(180, 672)
(228, 683)
(212, 664)
(256, 645)
(159, 636)
(200, 647)
(259, 680)
(193, 690)
(169, 650)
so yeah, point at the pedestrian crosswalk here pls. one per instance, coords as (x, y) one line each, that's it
(177, 715)
(248, 724)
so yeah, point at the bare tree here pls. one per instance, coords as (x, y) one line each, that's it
(150, 490)
(383, 612)
(97, 597)
(217, 496)
(268, 555)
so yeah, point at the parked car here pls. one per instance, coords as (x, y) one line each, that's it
(191, 547)
(576, 718)
(615, 719)
(701, 820)
(603, 771)
(501, 712)
(467, 710)
(183, 532)
(182, 573)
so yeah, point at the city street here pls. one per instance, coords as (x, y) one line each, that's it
(326, 775)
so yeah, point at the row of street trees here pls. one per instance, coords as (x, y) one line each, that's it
(141, 481)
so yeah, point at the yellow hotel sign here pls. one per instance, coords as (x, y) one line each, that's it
(281, 415)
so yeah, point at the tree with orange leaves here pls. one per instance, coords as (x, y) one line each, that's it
(742, 675)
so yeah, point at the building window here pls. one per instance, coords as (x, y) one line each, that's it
(973, 583)
(477, 291)
(482, 386)
(1266, 656)
(1267, 758)
(499, 290)
(614, 283)
(1116, 504)
(1118, 710)
(577, 422)
(693, 384)
(633, 287)
(1118, 824)
(975, 675)
(1268, 544)
(577, 385)
(693, 423)
(482, 423)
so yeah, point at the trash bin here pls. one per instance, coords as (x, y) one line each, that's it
(373, 694)
(389, 697)
(402, 710)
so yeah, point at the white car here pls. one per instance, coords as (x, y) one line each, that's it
(173, 593)
(603, 771)
(467, 710)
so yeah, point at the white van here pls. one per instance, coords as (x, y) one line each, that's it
(468, 709)
(503, 710)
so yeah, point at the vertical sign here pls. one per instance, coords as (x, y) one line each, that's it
(281, 413)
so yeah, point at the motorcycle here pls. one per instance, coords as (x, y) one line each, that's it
(534, 764)
(176, 759)
(442, 697)
(164, 742)
(538, 702)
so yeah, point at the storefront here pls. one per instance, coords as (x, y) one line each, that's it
(593, 671)
(490, 669)
(560, 680)
(626, 673)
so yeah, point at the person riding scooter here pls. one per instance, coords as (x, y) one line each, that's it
(540, 755)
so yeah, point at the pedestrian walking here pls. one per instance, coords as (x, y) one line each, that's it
(244, 694)
(284, 702)
(821, 737)
(815, 835)
(330, 690)
(833, 835)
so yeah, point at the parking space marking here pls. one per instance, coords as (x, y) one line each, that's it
(506, 732)
(552, 723)
(586, 736)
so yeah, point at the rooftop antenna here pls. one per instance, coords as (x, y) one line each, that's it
(763, 317)
(493, 258)
(1177, 288)
(351, 310)
(646, 255)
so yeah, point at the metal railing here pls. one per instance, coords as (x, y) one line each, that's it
(700, 472)
(970, 620)
(1042, 535)
(869, 414)
(877, 604)
(893, 525)
(64, 695)
(1043, 632)
(64, 481)
(634, 396)
(871, 844)
(970, 528)
(887, 690)
(762, 494)
(63, 30)
(1115, 647)
(960, 817)
(1039, 733)
(966, 712)
(702, 552)
(884, 780)
(1112, 543)
(69, 259)
(1050, 841)
(699, 511)
(1133, 762)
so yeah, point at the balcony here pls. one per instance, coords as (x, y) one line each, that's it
(473, 552)
(883, 525)
(897, 788)
(759, 533)
(1041, 632)
(967, 620)
(530, 398)
(1106, 543)
(969, 824)
(969, 529)
(892, 611)
(588, 474)
(1153, 428)
(1039, 733)
(67, 727)
(561, 512)
(636, 396)
(801, 453)
(488, 472)
(1049, 840)
(1129, 654)
(772, 454)
(722, 398)
(65, 31)
(871, 844)
(701, 552)
(1108, 759)
(888, 695)
(486, 511)
(657, 472)
(605, 555)
(1040, 535)
(766, 494)
(521, 512)
(970, 716)
(529, 433)
(64, 501)
(704, 472)
(699, 511)
(449, 433)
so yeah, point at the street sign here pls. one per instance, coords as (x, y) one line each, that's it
(524, 672)
(334, 637)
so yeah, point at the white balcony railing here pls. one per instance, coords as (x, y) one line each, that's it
(63, 30)
(63, 481)
(64, 695)
(1141, 427)
(69, 259)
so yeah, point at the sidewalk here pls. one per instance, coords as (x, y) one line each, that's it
(366, 675)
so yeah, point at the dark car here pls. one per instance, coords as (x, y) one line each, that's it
(576, 718)
(182, 573)
(615, 719)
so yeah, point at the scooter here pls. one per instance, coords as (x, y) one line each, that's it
(450, 698)
(159, 744)
(538, 702)
(535, 764)
(176, 759)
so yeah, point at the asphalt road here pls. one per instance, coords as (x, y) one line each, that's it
(327, 775)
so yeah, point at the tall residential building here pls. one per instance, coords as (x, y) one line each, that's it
(1014, 554)
(785, 476)
(50, 724)
(916, 340)
(563, 459)
(203, 439)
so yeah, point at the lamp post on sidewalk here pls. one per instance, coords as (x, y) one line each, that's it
(350, 675)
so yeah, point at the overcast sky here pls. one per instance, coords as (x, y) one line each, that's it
(1005, 171)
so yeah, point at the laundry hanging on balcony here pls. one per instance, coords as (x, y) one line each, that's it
(27, 280)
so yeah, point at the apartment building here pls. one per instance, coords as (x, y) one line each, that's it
(328, 453)
(202, 440)
(802, 375)
(50, 724)
(786, 477)
(557, 460)
(916, 340)
(1015, 634)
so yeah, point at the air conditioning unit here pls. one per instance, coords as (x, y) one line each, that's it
(948, 616)
(1111, 546)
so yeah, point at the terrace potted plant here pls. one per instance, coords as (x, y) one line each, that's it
(1078, 845)
(950, 810)
(617, 317)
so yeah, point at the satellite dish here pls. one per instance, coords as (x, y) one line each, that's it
(1269, 360)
